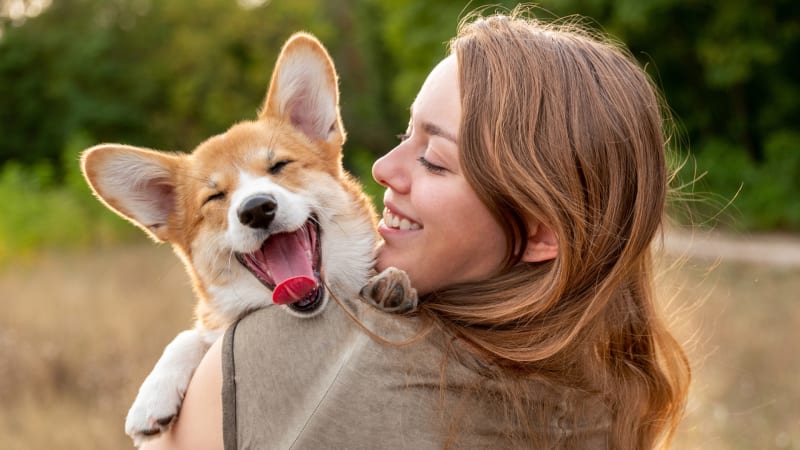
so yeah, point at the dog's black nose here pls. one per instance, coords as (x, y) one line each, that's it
(257, 211)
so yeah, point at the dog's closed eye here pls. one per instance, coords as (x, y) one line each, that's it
(217, 196)
(278, 166)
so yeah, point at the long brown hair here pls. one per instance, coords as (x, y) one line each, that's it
(564, 127)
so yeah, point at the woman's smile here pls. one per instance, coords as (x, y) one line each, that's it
(394, 221)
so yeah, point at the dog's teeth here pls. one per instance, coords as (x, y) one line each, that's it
(405, 224)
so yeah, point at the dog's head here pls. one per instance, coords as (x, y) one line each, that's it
(263, 212)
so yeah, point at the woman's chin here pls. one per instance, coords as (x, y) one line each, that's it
(387, 256)
(383, 262)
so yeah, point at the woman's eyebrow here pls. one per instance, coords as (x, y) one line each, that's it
(435, 130)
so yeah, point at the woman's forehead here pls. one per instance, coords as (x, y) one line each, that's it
(438, 104)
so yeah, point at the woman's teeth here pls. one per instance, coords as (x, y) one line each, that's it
(393, 221)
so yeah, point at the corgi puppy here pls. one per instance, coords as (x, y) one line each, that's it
(262, 214)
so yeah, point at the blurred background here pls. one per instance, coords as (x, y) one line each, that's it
(87, 303)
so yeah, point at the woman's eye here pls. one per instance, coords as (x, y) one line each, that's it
(403, 136)
(217, 196)
(430, 167)
(278, 166)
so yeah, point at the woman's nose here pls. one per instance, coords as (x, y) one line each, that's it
(390, 170)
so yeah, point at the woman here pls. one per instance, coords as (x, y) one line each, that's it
(522, 202)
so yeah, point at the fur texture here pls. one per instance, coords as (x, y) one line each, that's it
(290, 156)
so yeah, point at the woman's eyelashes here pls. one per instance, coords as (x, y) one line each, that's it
(430, 167)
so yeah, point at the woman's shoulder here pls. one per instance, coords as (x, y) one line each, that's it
(356, 334)
(325, 381)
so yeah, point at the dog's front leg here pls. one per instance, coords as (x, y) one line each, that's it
(160, 397)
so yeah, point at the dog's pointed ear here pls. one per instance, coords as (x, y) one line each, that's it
(136, 183)
(304, 90)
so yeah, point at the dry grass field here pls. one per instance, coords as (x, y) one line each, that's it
(742, 326)
(79, 331)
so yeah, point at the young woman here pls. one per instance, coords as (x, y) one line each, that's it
(522, 202)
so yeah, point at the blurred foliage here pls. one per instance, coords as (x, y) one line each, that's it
(168, 74)
(40, 211)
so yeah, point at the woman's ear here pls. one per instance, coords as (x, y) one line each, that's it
(542, 243)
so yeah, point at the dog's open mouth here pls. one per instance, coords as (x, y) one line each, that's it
(289, 265)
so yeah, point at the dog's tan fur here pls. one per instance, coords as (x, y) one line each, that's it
(186, 200)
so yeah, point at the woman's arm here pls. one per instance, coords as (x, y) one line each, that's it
(199, 424)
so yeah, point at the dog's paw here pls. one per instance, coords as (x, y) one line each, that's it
(161, 394)
(391, 291)
(153, 412)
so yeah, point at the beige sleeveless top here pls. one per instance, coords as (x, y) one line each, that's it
(323, 383)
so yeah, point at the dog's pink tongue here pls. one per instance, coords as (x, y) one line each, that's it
(293, 289)
(288, 257)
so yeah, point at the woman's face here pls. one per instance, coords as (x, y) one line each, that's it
(434, 226)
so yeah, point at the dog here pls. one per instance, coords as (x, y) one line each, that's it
(261, 214)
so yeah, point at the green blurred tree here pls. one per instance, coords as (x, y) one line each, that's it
(169, 74)
(731, 75)
(162, 74)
